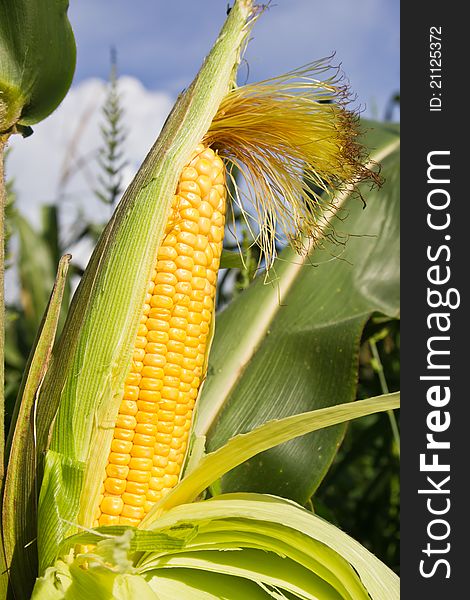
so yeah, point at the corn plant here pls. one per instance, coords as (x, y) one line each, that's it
(119, 463)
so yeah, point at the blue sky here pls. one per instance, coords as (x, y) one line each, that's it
(163, 43)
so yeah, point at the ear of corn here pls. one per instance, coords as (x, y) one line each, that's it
(84, 385)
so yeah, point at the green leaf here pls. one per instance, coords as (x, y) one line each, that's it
(291, 345)
(231, 260)
(245, 446)
(240, 546)
(37, 59)
(281, 528)
(36, 266)
(19, 501)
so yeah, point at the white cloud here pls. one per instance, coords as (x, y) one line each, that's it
(59, 159)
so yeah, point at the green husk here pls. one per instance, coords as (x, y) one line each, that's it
(19, 498)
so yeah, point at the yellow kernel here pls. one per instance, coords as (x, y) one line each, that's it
(112, 505)
(146, 429)
(159, 324)
(209, 252)
(189, 173)
(144, 417)
(180, 311)
(195, 306)
(213, 198)
(125, 422)
(166, 253)
(190, 214)
(205, 184)
(121, 446)
(160, 301)
(168, 405)
(155, 348)
(185, 274)
(159, 461)
(186, 239)
(153, 495)
(184, 387)
(156, 484)
(148, 400)
(193, 199)
(134, 487)
(164, 290)
(169, 393)
(174, 358)
(152, 372)
(139, 476)
(141, 451)
(194, 329)
(183, 287)
(203, 166)
(185, 263)
(165, 278)
(187, 375)
(201, 243)
(133, 379)
(117, 471)
(108, 520)
(204, 225)
(133, 499)
(198, 295)
(172, 370)
(124, 434)
(141, 439)
(119, 459)
(191, 344)
(200, 259)
(189, 186)
(161, 450)
(140, 463)
(138, 354)
(128, 407)
(198, 283)
(166, 415)
(115, 486)
(154, 360)
(132, 513)
(181, 409)
(137, 366)
(140, 341)
(158, 337)
(148, 383)
(170, 481)
(172, 468)
(175, 346)
(218, 220)
(167, 266)
(172, 380)
(216, 233)
(165, 427)
(211, 276)
(163, 438)
(205, 210)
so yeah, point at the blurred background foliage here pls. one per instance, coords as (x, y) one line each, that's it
(360, 493)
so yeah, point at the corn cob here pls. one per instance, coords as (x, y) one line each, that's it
(152, 427)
